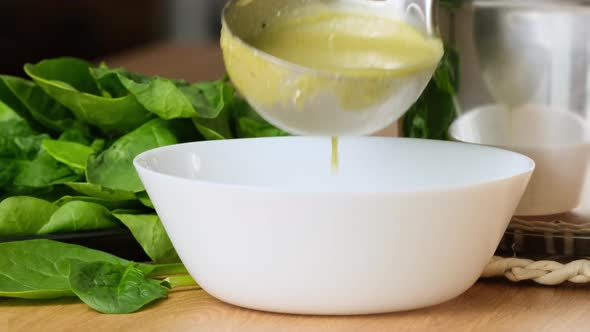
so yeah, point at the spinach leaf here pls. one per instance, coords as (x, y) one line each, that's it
(145, 199)
(39, 269)
(250, 127)
(214, 129)
(49, 194)
(17, 139)
(42, 108)
(10, 101)
(98, 191)
(66, 72)
(108, 81)
(158, 95)
(110, 204)
(18, 146)
(77, 216)
(44, 269)
(98, 145)
(69, 82)
(170, 99)
(221, 94)
(209, 98)
(45, 171)
(435, 110)
(151, 235)
(7, 113)
(113, 168)
(78, 133)
(113, 288)
(179, 281)
(8, 170)
(23, 215)
(448, 73)
(74, 155)
(247, 123)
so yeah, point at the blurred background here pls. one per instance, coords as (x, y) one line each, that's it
(31, 30)
(159, 37)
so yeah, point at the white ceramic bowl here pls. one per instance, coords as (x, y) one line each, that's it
(558, 141)
(266, 224)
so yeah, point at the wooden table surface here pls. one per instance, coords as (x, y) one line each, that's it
(487, 306)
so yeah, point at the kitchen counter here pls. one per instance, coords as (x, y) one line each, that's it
(491, 305)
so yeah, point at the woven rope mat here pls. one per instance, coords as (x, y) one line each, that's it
(545, 272)
(542, 272)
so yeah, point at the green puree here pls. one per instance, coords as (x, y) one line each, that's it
(348, 43)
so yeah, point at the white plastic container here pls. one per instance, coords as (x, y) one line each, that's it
(558, 142)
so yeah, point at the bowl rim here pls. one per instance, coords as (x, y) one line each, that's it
(522, 148)
(138, 163)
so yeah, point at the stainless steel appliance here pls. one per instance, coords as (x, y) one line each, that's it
(529, 52)
(523, 51)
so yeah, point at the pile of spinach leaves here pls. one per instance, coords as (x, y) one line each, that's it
(68, 136)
